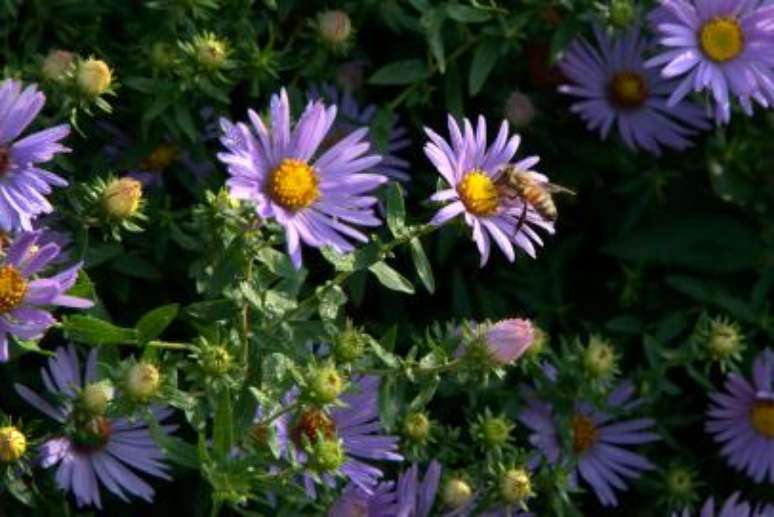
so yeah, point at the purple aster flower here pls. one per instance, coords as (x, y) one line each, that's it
(415, 497)
(351, 116)
(742, 419)
(725, 47)
(356, 502)
(472, 171)
(23, 184)
(733, 507)
(615, 88)
(22, 294)
(97, 450)
(596, 441)
(315, 198)
(356, 424)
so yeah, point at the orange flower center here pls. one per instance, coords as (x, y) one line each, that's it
(310, 423)
(762, 417)
(628, 90)
(13, 288)
(584, 433)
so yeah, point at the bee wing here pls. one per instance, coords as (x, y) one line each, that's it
(553, 188)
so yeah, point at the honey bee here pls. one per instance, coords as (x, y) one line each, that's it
(515, 183)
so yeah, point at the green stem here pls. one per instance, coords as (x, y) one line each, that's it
(275, 416)
(166, 345)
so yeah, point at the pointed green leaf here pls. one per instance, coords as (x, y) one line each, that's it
(391, 278)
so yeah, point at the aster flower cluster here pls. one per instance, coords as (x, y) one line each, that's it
(212, 272)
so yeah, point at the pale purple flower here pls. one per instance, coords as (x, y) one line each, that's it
(508, 339)
(24, 297)
(101, 454)
(356, 502)
(742, 420)
(471, 170)
(724, 47)
(356, 423)
(732, 507)
(351, 116)
(597, 441)
(616, 88)
(23, 185)
(416, 497)
(316, 198)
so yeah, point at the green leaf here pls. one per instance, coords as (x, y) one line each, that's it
(401, 72)
(93, 331)
(425, 394)
(331, 299)
(212, 310)
(484, 59)
(432, 22)
(153, 323)
(466, 14)
(390, 278)
(228, 267)
(388, 358)
(223, 425)
(396, 210)
(136, 266)
(424, 269)
(185, 121)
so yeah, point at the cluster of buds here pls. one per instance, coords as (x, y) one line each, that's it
(85, 80)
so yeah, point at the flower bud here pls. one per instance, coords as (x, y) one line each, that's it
(216, 361)
(519, 110)
(93, 77)
(456, 493)
(507, 340)
(495, 431)
(335, 27)
(327, 455)
(210, 51)
(416, 427)
(162, 56)
(121, 198)
(325, 385)
(56, 64)
(515, 486)
(621, 13)
(349, 345)
(95, 398)
(13, 444)
(723, 340)
(599, 358)
(142, 381)
(680, 483)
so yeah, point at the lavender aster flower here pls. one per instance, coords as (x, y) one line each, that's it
(22, 294)
(724, 47)
(23, 185)
(472, 170)
(742, 419)
(415, 497)
(315, 198)
(356, 424)
(356, 502)
(615, 88)
(96, 450)
(732, 507)
(351, 116)
(596, 441)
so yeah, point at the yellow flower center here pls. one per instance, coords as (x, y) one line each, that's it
(478, 193)
(584, 433)
(721, 39)
(293, 185)
(762, 417)
(628, 90)
(13, 444)
(160, 158)
(13, 287)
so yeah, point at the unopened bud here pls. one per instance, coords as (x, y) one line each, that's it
(456, 493)
(216, 361)
(680, 483)
(515, 486)
(349, 345)
(724, 339)
(416, 427)
(95, 398)
(599, 358)
(325, 385)
(495, 431)
(210, 51)
(327, 455)
(13, 444)
(93, 77)
(507, 340)
(56, 64)
(121, 198)
(335, 26)
(142, 381)
(621, 13)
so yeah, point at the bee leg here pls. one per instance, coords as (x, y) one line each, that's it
(521, 221)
